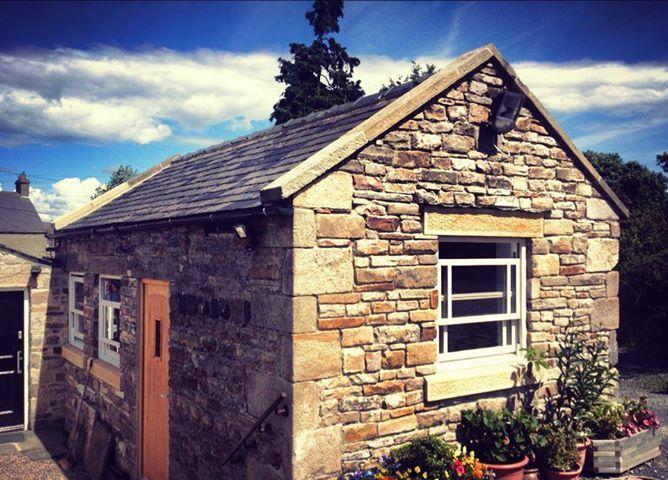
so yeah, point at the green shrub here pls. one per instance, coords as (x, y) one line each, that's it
(430, 453)
(584, 376)
(561, 451)
(496, 437)
(606, 420)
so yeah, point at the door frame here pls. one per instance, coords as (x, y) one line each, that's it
(26, 350)
(140, 377)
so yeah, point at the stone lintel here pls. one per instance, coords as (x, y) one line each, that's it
(482, 223)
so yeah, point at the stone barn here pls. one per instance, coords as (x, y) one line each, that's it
(381, 264)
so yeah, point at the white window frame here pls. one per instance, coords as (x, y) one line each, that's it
(516, 321)
(103, 343)
(75, 316)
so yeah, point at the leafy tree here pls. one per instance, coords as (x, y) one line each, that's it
(662, 161)
(120, 175)
(319, 75)
(643, 263)
(417, 72)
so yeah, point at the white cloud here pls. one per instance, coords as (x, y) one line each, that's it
(63, 196)
(110, 95)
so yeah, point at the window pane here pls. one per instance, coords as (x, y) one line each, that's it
(474, 250)
(79, 296)
(80, 323)
(473, 336)
(479, 290)
(111, 289)
(112, 323)
(441, 338)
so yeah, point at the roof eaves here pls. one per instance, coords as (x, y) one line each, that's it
(64, 220)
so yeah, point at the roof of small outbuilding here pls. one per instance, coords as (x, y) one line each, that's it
(243, 174)
(230, 175)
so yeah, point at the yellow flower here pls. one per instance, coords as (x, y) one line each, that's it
(417, 469)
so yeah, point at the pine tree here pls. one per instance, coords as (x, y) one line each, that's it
(320, 75)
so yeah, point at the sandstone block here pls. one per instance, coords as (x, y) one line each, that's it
(305, 314)
(353, 360)
(544, 265)
(420, 353)
(357, 336)
(317, 453)
(416, 277)
(599, 209)
(305, 398)
(334, 190)
(371, 247)
(315, 355)
(398, 333)
(605, 314)
(602, 254)
(339, 226)
(558, 227)
(612, 284)
(458, 143)
(398, 425)
(322, 270)
(360, 432)
(303, 228)
(383, 224)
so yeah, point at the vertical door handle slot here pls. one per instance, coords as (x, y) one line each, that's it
(19, 359)
(158, 339)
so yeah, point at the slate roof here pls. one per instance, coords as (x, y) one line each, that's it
(30, 244)
(18, 215)
(229, 176)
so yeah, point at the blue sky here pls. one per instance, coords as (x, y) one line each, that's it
(85, 87)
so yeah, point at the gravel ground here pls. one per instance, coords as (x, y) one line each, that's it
(637, 379)
(17, 466)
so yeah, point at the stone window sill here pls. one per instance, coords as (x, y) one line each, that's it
(107, 373)
(463, 382)
(101, 370)
(74, 355)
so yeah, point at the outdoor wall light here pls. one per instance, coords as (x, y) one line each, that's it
(508, 106)
(241, 231)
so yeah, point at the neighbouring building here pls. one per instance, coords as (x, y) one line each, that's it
(381, 263)
(31, 373)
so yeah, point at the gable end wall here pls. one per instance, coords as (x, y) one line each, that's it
(367, 272)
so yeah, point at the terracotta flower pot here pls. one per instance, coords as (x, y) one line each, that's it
(531, 474)
(582, 451)
(553, 475)
(508, 471)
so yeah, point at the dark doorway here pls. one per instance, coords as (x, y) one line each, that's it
(11, 361)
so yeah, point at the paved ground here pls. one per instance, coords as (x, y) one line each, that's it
(637, 378)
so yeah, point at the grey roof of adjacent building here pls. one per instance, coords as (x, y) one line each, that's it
(18, 215)
(229, 176)
(33, 245)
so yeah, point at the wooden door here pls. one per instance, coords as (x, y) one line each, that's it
(11, 361)
(155, 381)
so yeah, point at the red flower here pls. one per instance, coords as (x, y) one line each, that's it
(458, 467)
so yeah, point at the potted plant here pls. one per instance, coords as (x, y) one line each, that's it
(584, 377)
(500, 439)
(426, 457)
(561, 460)
(624, 435)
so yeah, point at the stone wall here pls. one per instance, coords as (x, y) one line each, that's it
(366, 274)
(45, 363)
(228, 315)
